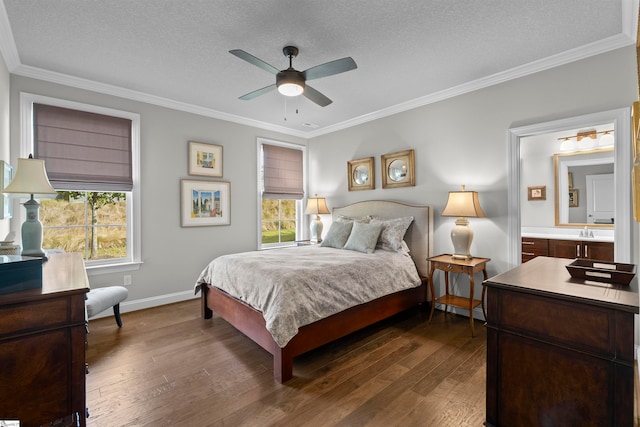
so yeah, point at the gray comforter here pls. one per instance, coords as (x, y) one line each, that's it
(296, 286)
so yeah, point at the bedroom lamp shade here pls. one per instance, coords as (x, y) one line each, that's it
(462, 204)
(31, 181)
(316, 206)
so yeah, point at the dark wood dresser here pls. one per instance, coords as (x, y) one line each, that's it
(42, 346)
(559, 350)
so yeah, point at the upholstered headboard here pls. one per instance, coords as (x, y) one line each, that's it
(419, 236)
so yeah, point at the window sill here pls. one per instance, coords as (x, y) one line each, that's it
(94, 270)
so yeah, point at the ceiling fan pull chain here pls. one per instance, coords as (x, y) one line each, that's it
(285, 108)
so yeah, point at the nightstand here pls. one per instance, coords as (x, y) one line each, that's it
(449, 264)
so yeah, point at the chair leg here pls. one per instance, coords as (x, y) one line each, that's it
(116, 313)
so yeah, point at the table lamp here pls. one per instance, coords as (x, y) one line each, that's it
(315, 206)
(31, 180)
(462, 204)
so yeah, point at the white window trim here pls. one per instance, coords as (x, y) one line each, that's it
(134, 235)
(301, 219)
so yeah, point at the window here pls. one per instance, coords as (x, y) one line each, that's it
(91, 155)
(281, 191)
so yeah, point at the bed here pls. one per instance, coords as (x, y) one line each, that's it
(349, 315)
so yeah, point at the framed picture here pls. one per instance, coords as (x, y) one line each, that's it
(360, 174)
(205, 203)
(573, 198)
(398, 169)
(205, 159)
(537, 192)
(6, 175)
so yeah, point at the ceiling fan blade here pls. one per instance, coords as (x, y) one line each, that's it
(316, 96)
(330, 68)
(257, 93)
(253, 60)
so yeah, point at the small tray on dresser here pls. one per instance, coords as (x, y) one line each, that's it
(602, 271)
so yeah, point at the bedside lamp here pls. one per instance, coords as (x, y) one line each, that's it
(31, 180)
(315, 206)
(462, 204)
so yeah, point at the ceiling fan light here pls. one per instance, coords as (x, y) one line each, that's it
(290, 82)
(290, 89)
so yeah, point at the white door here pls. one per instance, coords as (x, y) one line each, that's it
(600, 199)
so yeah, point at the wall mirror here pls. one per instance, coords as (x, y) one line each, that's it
(585, 188)
(360, 174)
(398, 169)
(620, 121)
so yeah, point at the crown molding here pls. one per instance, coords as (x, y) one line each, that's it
(80, 83)
(586, 51)
(625, 38)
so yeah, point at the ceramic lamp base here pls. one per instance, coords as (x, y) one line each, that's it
(316, 230)
(462, 236)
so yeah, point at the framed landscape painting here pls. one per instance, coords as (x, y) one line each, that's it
(205, 159)
(205, 203)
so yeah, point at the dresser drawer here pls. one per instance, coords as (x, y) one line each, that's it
(46, 313)
(577, 326)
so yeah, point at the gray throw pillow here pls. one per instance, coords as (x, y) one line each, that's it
(393, 231)
(363, 237)
(337, 235)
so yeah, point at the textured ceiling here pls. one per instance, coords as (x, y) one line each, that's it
(408, 52)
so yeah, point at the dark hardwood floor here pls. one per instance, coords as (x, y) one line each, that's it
(167, 366)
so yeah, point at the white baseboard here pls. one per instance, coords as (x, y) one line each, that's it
(140, 304)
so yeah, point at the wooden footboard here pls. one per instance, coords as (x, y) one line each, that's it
(251, 322)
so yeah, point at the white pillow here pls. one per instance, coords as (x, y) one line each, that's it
(363, 237)
(337, 235)
(392, 234)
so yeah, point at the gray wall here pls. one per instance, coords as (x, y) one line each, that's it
(463, 140)
(173, 256)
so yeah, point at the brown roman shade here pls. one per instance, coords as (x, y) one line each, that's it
(282, 173)
(82, 150)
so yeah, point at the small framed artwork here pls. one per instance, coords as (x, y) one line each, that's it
(398, 169)
(537, 192)
(573, 198)
(360, 174)
(6, 175)
(205, 159)
(205, 203)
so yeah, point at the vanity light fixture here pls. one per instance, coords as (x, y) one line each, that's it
(316, 206)
(462, 204)
(591, 136)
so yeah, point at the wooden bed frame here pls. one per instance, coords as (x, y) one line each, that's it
(251, 322)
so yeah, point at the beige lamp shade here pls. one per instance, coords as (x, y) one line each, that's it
(30, 179)
(315, 206)
(462, 204)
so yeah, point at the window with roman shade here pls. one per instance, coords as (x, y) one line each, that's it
(83, 150)
(283, 173)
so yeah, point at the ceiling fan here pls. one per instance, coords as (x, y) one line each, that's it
(291, 82)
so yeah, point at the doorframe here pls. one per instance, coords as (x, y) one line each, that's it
(621, 119)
